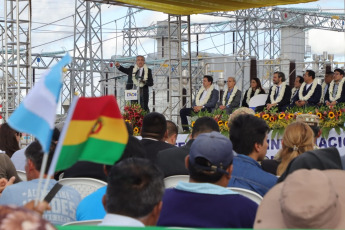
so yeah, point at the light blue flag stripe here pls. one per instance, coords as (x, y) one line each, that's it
(36, 114)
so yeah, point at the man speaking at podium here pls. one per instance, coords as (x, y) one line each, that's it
(139, 78)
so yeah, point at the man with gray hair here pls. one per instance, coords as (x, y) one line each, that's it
(134, 194)
(231, 97)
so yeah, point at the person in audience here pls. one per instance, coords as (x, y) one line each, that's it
(310, 91)
(297, 139)
(322, 159)
(205, 100)
(254, 89)
(172, 132)
(172, 161)
(294, 92)
(231, 97)
(205, 202)
(94, 200)
(22, 218)
(9, 139)
(134, 194)
(7, 170)
(329, 76)
(249, 137)
(153, 132)
(313, 122)
(64, 203)
(279, 94)
(18, 158)
(307, 199)
(336, 89)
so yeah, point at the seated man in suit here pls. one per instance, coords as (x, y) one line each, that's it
(329, 76)
(336, 92)
(310, 91)
(231, 97)
(294, 92)
(279, 94)
(206, 99)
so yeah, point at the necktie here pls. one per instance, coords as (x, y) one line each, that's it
(277, 93)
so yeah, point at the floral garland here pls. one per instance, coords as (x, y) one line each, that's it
(208, 95)
(310, 93)
(281, 93)
(294, 89)
(323, 86)
(134, 78)
(249, 92)
(339, 91)
(233, 94)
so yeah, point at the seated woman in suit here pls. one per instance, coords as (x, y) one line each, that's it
(254, 89)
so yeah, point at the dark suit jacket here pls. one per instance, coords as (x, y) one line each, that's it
(244, 100)
(172, 161)
(340, 100)
(129, 72)
(153, 147)
(315, 98)
(212, 101)
(294, 98)
(235, 102)
(284, 102)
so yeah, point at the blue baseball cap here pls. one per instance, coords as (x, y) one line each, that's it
(215, 148)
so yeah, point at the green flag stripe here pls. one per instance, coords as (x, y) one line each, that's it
(95, 150)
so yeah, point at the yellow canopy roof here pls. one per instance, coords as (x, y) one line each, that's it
(187, 7)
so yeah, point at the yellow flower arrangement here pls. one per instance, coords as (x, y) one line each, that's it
(226, 124)
(135, 130)
(265, 116)
(281, 116)
(257, 115)
(339, 113)
(291, 115)
(220, 123)
(319, 115)
(272, 118)
(331, 115)
(193, 122)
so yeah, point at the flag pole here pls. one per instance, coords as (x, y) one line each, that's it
(43, 167)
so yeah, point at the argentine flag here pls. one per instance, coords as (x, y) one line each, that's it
(37, 113)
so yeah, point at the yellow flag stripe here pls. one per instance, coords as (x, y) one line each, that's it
(104, 128)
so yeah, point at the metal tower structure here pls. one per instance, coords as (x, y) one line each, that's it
(130, 38)
(86, 73)
(16, 77)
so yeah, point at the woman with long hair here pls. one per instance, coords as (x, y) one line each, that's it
(254, 89)
(298, 138)
(9, 139)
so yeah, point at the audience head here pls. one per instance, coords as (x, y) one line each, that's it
(239, 111)
(20, 218)
(231, 82)
(34, 157)
(210, 159)
(322, 159)
(172, 132)
(297, 139)
(135, 189)
(140, 61)
(255, 83)
(9, 139)
(307, 199)
(204, 125)
(338, 75)
(207, 81)
(154, 126)
(313, 122)
(249, 135)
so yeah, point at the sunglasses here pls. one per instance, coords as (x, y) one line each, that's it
(19, 134)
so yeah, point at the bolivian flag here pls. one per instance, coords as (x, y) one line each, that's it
(94, 131)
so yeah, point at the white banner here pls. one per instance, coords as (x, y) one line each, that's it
(333, 140)
(131, 95)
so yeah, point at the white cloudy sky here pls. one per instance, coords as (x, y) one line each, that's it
(48, 11)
